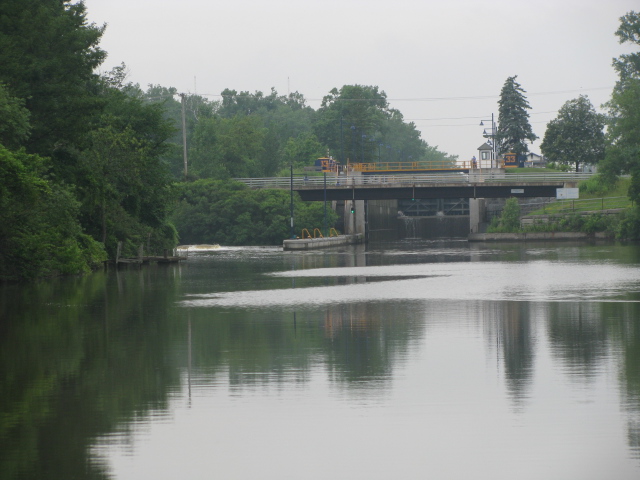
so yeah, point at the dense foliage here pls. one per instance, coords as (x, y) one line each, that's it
(357, 125)
(623, 133)
(613, 226)
(81, 154)
(576, 135)
(88, 160)
(48, 54)
(253, 135)
(213, 211)
(39, 231)
(509, 220)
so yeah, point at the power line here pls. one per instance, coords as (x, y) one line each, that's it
(466, 118)
(420, 99)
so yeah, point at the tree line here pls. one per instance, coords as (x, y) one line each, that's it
(579, 135)
(88, 159)
(245, 134)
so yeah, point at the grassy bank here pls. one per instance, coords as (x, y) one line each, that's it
(594, 196)
(586, 215)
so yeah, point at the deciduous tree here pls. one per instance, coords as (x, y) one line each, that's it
(623, 134)
(349, 118)
(48, 54)
(576, 135)
(228, 213)
(39, 230)
(14, 120)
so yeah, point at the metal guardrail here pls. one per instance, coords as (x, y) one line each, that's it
(315, 182)
(582, 205)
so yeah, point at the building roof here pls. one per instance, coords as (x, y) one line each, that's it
(485, 146)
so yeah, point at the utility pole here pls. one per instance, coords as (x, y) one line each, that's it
(184, 137)
(292, 230)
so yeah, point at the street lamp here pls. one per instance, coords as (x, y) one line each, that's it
(493, 137)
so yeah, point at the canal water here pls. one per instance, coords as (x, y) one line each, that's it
(413, 359)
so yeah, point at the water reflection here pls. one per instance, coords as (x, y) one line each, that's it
(514, 335)
(77, 360)
(578, 337)
(424, 345)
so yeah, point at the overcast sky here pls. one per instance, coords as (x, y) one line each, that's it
(442, 63)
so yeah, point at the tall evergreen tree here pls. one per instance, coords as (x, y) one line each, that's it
(514, 128)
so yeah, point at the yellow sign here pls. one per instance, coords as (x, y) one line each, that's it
(510, 160)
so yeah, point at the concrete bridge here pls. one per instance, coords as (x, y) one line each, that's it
(477, 184)
(355, 191)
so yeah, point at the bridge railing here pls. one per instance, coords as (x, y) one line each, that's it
(477, 176)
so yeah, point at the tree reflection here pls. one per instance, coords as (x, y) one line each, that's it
(356, 341)
(518, 348)
(623, 321)
(82, 358)
(72, 368)
(578, 337)
(514, 341)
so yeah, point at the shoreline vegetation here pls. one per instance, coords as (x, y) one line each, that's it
(579, 217)
(536, 236)
(90, 160)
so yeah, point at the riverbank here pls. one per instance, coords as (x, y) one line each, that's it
(534, 236)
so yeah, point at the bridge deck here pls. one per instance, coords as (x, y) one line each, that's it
(441, 190)
(485, 184)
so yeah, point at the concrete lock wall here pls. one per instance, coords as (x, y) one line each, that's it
(383, 222)
(433, 227)
(477, 215)
(354, 217)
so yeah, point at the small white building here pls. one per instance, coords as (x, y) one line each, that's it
(535, 160)
(485, 152)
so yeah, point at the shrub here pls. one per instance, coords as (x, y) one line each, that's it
(509, 220)
(596, 185)
(628, 227)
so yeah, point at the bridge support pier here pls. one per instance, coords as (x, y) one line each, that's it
(354, 217)
(477, 210)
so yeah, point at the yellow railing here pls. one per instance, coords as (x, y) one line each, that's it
(410, 166)
(317, 233)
